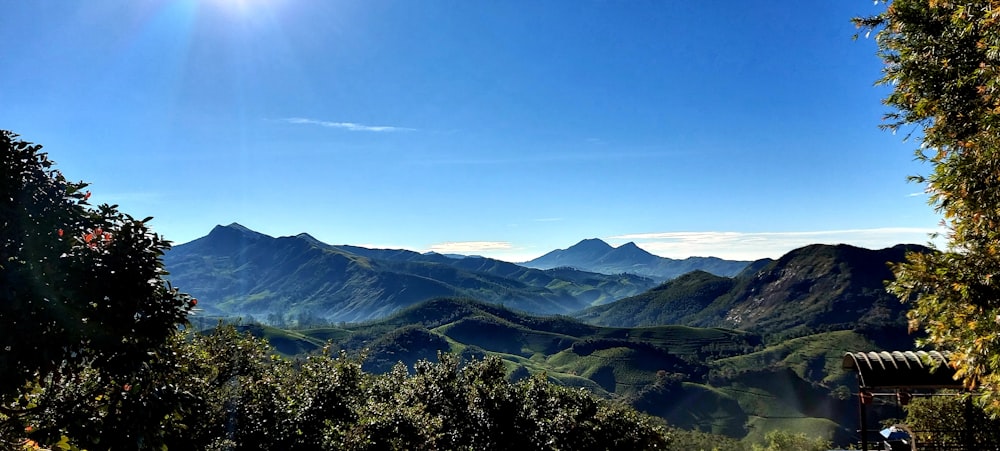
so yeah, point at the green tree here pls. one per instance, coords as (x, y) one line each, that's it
(942, 60)
(944, 421)
(83, 306)
(786, 441)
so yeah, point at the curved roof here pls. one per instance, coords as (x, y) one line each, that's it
(906, 369)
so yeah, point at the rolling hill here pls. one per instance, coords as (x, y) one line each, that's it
(716, 380)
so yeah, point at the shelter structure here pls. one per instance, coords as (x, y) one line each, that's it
(902, 374)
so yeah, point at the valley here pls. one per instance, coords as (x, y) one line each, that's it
(736, 355)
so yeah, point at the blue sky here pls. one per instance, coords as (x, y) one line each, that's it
(505, 129)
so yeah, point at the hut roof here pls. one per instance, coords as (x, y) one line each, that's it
(902, 369)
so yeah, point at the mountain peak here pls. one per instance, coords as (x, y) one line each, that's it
(631, 247)
(591, 244)
(234, 229)
(598, 256)
(630, 251)
(229, 238)
(237, 226)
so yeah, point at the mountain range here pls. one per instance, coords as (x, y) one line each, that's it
(597, 256)
(235, 271)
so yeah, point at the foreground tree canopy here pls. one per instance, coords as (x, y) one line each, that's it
(79, 285)
(942, 59)
(80, 294)
(95, 355)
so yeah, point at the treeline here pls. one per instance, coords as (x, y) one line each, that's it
(227, 390)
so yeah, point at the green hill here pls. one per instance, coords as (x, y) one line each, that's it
(669, 303)
(712, 379)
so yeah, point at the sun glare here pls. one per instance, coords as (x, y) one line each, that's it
(241, 7)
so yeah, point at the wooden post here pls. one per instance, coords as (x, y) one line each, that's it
(862, 415)
(967, 438)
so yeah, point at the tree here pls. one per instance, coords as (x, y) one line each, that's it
(83, 307)
(942, 59)
(949, 421)
(778, 440)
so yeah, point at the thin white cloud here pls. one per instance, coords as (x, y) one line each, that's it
(354, 127)
(547, 219)
(546, 158)
(756, 245)
(465, 247)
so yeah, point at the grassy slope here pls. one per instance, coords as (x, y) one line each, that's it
(729, 383)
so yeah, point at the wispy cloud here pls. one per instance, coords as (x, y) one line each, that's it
(547, 219)
(352, 126)
(755, 245)
(542, 157)
(465, 247)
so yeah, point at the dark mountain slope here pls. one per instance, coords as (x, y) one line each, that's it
(818, 287)
(673, 302)
(597, 256)
(235, 271)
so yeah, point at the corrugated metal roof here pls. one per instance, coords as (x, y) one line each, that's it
(902, 369)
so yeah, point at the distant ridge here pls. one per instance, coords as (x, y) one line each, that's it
(235, 271)
(597, 256)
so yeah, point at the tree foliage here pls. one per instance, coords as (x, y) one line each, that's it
(83, 308)
(786, 441)
(942, 60)
(227, 390)
(948, 421)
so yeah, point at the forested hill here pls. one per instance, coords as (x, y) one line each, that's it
(235, 271)
(817, 287)
(597, 256)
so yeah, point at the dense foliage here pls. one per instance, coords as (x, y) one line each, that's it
(942, 59)
(227, 390)
(83, 309)
(786, 441)
(951, 421)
